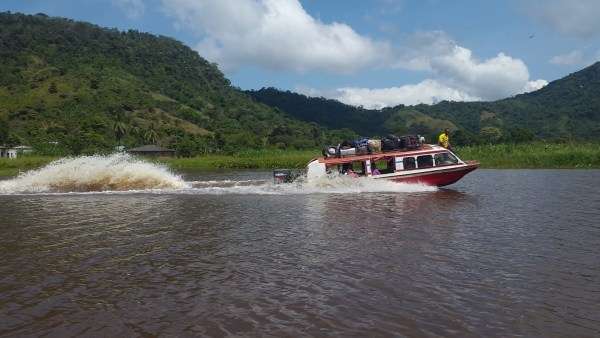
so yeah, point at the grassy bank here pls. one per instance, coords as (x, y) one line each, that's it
(534, 155)
(254, 159)
(11, 167)
(501, 156)
(531, 155)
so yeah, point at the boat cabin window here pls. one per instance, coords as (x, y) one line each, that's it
(445, 159)
(409, 163)
(384, 166)
(425, 161)
(359, 167)
(356, 167)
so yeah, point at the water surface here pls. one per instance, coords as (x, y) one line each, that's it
(501, 253)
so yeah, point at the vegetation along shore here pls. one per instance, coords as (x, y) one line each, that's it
(535, 155)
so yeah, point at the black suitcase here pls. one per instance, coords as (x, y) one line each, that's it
(388, 144)
(410, 142)
(362, 149)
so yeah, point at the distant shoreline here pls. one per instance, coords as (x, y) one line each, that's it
(501, 156)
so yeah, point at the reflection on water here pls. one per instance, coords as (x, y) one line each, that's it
(502, 253)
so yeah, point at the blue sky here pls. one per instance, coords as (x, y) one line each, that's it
(372, 53)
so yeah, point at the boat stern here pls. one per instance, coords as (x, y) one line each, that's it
(315, 169)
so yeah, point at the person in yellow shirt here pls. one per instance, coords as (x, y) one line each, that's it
(444, 139)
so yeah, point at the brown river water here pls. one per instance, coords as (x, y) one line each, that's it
(502, 253)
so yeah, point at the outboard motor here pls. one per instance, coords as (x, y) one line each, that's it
(283, 176)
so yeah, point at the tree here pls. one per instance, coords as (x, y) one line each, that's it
(120, 130)
(463, 137)
(13, 140)
(119, 127)
(490, 134)
(186, 146)
(518, 135)
(94, 83)
(4, 129)
(52, 89)
(151, 135)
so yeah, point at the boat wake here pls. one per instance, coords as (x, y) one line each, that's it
(117, 172)
(325, 185)
(122, 174)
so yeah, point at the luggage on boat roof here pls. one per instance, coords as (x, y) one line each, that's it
(375, 145)
(364, 146)
(410, 141)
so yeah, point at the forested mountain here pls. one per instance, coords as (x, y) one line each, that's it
(566, 108)
(366, 122)
(326, 112)
(74, 87)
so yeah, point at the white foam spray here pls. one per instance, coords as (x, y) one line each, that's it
(333, 184)
(117, 172)
(122, 173)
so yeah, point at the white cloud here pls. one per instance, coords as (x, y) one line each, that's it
(572, 58)
(532, 86)
(274, 34)
(571, 17)
(459, 76)
(428, 91)
(281, 35)
(420, 48)
(490, 79)
(134, 9)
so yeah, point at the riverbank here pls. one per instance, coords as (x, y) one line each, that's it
(252, 159)
(12, 167)
(534, 155)
(501, 156)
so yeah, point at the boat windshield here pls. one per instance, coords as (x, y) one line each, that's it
(445, 158)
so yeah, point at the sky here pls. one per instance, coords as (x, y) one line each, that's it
(371, 53)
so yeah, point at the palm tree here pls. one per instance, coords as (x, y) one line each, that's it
(135, 130)
(151, 136)
(119, 127)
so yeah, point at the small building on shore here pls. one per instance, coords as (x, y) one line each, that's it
(13, 152)
(152, 150)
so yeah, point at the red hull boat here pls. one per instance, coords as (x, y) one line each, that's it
(429, 164)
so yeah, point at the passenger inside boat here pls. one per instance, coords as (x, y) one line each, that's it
(382, 165)
(354, 169)
(359, 167)
(375, 168)
(344, 168)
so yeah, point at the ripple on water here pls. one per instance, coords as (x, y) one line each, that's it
(501, 254)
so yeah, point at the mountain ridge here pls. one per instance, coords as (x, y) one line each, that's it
(74, 87)
(566, 108)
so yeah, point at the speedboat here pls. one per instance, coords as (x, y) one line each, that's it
(428, 164)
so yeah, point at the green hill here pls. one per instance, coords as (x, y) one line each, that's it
(568, 108)
(73, 87)
(367, 122)
(326, 112)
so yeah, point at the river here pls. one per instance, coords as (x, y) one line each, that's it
(502, 253)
